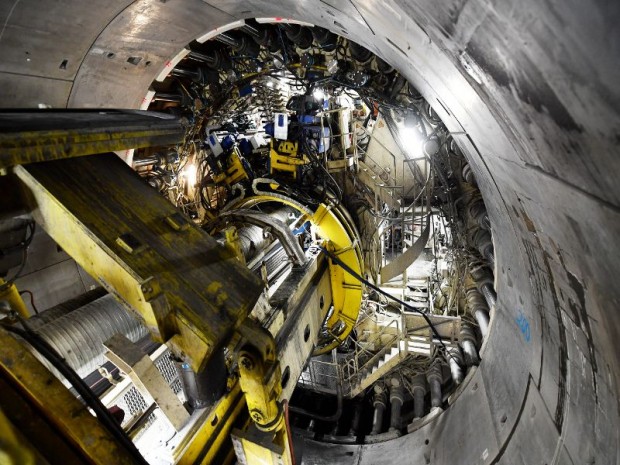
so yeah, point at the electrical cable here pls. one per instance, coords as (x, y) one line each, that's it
(24, 247)
(102, 413)
(25, 291)
(288, 430)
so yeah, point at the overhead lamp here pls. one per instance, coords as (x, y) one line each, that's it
(318, 94)
(412, 141)
(411, 120)
(189, 173)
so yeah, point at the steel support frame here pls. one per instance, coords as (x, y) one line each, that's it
(336, 229)
(147, 379)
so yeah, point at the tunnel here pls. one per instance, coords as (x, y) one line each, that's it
(528, 92)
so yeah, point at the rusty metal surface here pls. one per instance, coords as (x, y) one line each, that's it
(31, 136)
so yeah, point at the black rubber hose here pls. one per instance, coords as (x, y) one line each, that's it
(104, 416)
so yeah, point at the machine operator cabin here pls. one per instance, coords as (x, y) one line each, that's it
(309, 232)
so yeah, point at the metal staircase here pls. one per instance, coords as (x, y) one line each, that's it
(412, 337)
(377, 367)
(388, 340)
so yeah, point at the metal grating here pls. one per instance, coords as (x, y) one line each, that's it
(166, 367)
(133, 403)
(321, 375)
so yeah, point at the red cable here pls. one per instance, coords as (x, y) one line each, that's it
(288, 431)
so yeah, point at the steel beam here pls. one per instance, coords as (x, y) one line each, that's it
(30, 136)
(296, 334)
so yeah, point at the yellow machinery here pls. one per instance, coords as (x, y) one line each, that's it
(284, 157)
(9, 293)
(197, 299)
(234, 173)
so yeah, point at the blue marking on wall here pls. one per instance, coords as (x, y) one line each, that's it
(524, 325)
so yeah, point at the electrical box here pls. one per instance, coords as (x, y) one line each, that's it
(215, 145)
(280, 128)
(257, 140)
(313, 137)
(345, 128)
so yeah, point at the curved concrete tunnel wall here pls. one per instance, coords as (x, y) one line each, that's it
(529, 90)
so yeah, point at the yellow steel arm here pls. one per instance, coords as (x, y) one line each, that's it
(129, 238)
(260, 379)
(11, 295)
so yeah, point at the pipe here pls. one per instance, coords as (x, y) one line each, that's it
(327, 40)
(379, 404)
(434, 376)
(209, 60)
(482, 318)
(55, 312)
(360, 53)
(214, 60)
(489, 294)
(478, 308)
(419, 391)
(468, 175)
(203, 389)
(263, 36)
(468, 343)
(484, 243)
(357, 418)
(484, 280)
(455, 360)
(242, 44)
(193, 74)
(139, 162)
(168, 97)
(79, 336)
(478, 211)
(382, 66)
(413, 92)
(252, 31)
(228, 40)
(299, 35)
(396, 403)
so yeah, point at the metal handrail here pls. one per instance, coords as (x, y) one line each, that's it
(316, 380)
(353, 367)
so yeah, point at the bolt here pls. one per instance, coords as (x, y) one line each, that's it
(257, 416)
(246, 362)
